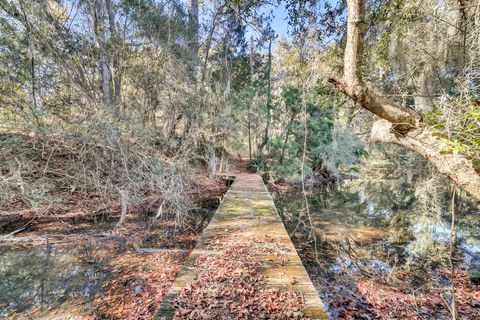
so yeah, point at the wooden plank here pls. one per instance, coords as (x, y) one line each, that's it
(247, 211)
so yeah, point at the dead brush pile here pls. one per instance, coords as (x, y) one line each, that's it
(88, 173)
(229, 287)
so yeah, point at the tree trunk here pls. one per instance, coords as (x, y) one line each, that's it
(399, 124)
(463, 27)
(99, 26)
(194, 26)
(287, 134)
(352, 83)
(36, 108)
(222, 159)
(430, 147)
(124, 206)
(249, 136)
(212, 165)
(269, 100)
(209, 42)
(116, 71)
(426, 88)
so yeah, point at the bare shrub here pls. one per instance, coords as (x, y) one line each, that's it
(118, 164)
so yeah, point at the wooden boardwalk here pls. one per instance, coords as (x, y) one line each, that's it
(247, 212)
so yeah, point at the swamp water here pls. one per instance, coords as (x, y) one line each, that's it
(392, 229)
(94, 270)
(42, 276)
(59, 277)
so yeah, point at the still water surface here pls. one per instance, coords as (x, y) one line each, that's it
(391, 220)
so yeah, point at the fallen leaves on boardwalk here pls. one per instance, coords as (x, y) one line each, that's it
(229, 287)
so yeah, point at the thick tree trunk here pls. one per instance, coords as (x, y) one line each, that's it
(399, 124)
(352, 83)
(431, 147)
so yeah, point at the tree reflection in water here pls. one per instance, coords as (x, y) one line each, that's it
(41, 277)
(393, 228)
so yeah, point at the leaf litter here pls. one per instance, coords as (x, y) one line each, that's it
(229, 286)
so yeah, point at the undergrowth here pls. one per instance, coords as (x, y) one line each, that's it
(116, 164)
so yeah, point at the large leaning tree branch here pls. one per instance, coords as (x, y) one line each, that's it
(397, 124)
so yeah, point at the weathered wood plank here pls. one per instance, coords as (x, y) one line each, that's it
(248, 212)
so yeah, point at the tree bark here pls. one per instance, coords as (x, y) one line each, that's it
(194, 28)
(124, 206)
(209, 42)
(430, 147)
(287, 135)
(194, 25)
(352, 83)
(398, 125)
(99, 28)
(249, 135)
(269, 99)
(426, 88)
(36, 108)
(116, 69)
